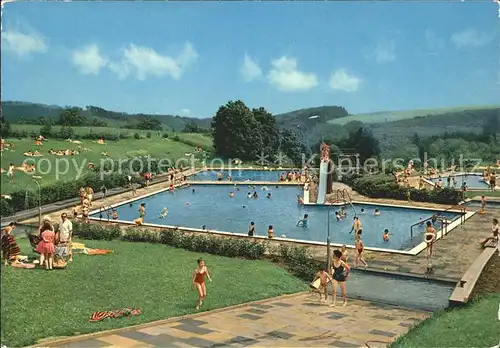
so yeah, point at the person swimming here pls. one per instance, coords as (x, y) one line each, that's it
(193, 191)
(164, 213)
(385, 235)
(249, 195)
(337, 216)
(304, 221)
(343, 213)
(231, 194)
(362, 210)
(300, 200)
(268, 195)
(264, 188)
(255, 195)
(376, 212)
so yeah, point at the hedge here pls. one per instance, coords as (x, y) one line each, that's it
(298, 260)
(62, 190)
(382, 186)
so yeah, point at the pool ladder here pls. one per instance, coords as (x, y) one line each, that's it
(346, 198)
(444, 227)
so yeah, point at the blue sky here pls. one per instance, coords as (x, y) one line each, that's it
(189, 58)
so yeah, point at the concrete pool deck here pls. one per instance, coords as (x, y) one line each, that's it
(290, 321)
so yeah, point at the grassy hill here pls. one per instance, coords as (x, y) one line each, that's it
(24, 112)
(391, 116)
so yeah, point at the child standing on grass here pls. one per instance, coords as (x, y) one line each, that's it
(199, 281)
(46, 247)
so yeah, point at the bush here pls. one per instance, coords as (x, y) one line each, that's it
(24, 199)
(148, 135)
(95, 231)
(381, 186)
(164, 135)
(176, 138)
(137, 136)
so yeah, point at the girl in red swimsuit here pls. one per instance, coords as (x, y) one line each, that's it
(199, 281)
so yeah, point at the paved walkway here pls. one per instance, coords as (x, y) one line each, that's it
(295, 321)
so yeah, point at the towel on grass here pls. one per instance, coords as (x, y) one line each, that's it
(124, 312)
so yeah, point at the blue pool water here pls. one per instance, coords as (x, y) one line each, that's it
(473, 181)
(239, 175)
(210, 205)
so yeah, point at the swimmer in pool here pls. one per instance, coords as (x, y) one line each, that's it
(231, 194)
(421, 223)
(300, 200)
(385, 235)
(362, 210)
(337, 216)
(269, 195)
(356, 226)
(255, 195)
(187, 203)
(164, 213)
(193, 191)
(376, 212)
(249, 195)
(304, 221)
(343, 213)
(264, 188)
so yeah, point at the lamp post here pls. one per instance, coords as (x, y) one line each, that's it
(39, 203)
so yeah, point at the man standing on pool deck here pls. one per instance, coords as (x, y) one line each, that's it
(430, 238)
(483, 205)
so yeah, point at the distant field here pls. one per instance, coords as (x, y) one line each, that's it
(80, 130)
(391, 116)
(155, 146)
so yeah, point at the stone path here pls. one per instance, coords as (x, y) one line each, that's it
(294, 321)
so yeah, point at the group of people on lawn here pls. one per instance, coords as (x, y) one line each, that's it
(53, 246)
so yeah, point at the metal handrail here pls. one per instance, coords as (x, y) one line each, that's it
(346, 198)
(444, 227)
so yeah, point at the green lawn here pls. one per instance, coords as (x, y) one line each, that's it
(156, 278)
(472, 194)
(476, 325)
(156, 146)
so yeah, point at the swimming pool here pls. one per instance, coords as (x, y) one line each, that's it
(211, 206)
(398, 290)
(239, 175)
(474, 181)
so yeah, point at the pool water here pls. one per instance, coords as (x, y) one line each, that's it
(210, 205)
(473, 181)
(400, 291)
(239, 175)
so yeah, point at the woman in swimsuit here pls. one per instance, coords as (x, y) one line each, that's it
(199, 281)
(360, 249)
(251, 229)
(345, 253)
(340, 271)
(430, 238)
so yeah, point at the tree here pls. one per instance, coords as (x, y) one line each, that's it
(5, 129)
(236, 132)
(363, 142)
(270, 134)
(66, 132)
(191, 127)
(72, 117)
(46, 129)
(293, 148)
(149, 123)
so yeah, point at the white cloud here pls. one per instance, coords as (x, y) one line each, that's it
(342, 81)
(470, 38)
(144, 61)
(286, 77)
(23, 44)
(184, 112)
(88, 60)
(384, 52)
(250, 69)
